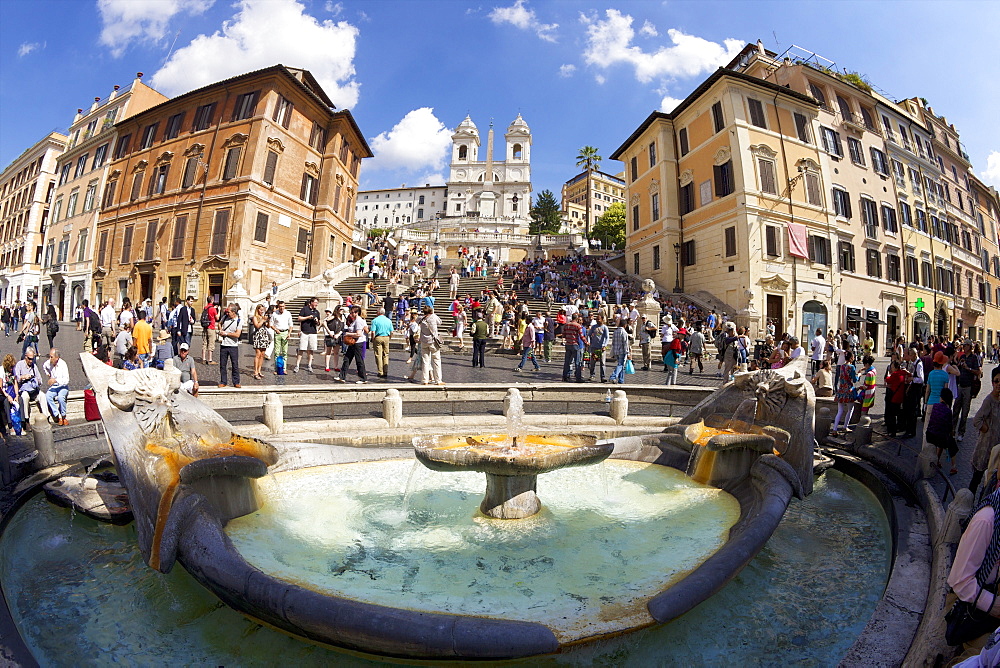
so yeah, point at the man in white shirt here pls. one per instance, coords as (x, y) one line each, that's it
(795, 349)
(108, 320)
(818, 349)
(55, 395)
(453, 281)
(281, 323)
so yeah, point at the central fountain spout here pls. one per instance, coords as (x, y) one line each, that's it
(511, 462)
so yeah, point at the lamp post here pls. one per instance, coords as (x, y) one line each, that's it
(677, 267)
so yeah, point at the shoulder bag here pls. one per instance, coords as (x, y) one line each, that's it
(966, 622)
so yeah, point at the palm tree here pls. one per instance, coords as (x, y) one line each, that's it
(590, 160)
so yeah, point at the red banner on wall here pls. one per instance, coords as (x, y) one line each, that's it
(797, 244)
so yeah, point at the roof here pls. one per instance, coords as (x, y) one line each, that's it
(701, 90)
(605, 175)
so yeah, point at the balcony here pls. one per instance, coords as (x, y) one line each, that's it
(857, 123)
(972, 306)
(59, 269)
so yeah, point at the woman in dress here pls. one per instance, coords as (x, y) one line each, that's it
(847, 378)
(260, 339)
(333, 328)
(868, 379)
(460, 322)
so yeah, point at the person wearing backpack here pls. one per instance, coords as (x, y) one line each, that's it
(210, 330)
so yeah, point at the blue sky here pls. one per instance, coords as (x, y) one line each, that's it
(579, 72)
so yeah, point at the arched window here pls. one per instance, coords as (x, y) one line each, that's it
(516, 152)
(463, 152)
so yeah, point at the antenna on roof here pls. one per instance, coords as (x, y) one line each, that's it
(176, 35)
(777, 44)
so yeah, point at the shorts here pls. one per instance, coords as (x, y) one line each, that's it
(307, 342)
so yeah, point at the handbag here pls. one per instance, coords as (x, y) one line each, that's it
(350, 338)
(629, 367)
(20, 337)
(965, 622)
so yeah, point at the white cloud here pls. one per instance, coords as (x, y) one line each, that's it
(265, 33)
(648, 29)
(521, 17)
(991, 174)
(566, 71)
(334, 8)
(668, 104)
(609, 42)
(419, 142)
(28, 47)
(599, 78)
(125, 21)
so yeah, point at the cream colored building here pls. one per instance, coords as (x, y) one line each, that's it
(605, 190)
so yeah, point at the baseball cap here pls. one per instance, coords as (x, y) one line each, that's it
(184, 346)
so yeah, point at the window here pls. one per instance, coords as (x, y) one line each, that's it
(682, 138)
(889, 219)
(158, 182)
(81, 245)
(652, 155)
(270, 165)
(802, 128)
(81, 166)
(302, 242)
(150, 245)
(717, 117)
(136, 186)
(869, 217)
(245, 105)
(148, 136)
(845, 253)
(926, 279)
(921, 220)
(127, 244)
(856, 150)
(874, 263)
(420, 214)
(831, 142)
(635, 167)
(866, 115)
(887, 124)
(308, 192)
(635, 217)
(90, 196)
(109, 194)
(180, 232)
(899, 172)
(912, 272)
(190, 171)
(232, 163)
(220, 230)
(635, 263)
(203, 117)
(768, 182)
(730, 241)
(819, 250)
(892, 268)
(771, 242)
(100, 155)
(260, 229)
(656, 258)
(687, 199)
(57, 210)
(845, 109)
(173, 126)
(64, 172)
(813, 192)
(688, 253)
(336, 198)
(71, 206)
(879, 162)
(121, 148)
(102, 250)
(724, 179)
(420, 200)
(655, 206)
(282, 112)
(905, 214)
(757, 113)
(841, 202)
(317, 138)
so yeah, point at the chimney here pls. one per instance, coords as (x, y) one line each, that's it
(114, 93)
(79, 112)
(97, 101)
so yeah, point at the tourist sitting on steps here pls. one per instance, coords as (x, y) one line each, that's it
(189, 374)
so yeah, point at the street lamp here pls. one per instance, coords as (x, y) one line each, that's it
(677, 267)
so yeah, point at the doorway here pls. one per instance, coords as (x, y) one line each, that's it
(941, 325)
(215, 287)
(813, 318)
(145, 286)
(892, 320)
(921, 326)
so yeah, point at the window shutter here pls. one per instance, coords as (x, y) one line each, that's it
(136, 186)
(802, 127)
(219, 232)
(180, 232)
(232, 162)
(302, 190)
(314, 193)
(190, 169)
(102, 249)
(719, 191)
(127, 244)
(767, 179)
(771, 240)
(269, 167)
(260, 230)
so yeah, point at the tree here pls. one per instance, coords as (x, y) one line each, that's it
(546, 218)
(610, 227)
(589, 160)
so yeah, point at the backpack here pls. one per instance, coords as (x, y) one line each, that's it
(52, 326)
(206, 319)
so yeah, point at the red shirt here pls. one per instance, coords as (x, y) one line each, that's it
(572, 332)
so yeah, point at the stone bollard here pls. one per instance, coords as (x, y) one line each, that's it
(958, 511)
(619, 407)
(927, 460)
(862, 434)
(824, 419)
(392, 407)
(41, 431)
(274, 412)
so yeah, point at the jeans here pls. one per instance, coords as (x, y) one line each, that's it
(232, 355)
(573, 357)
(911, 407)
(479, 352)
(618, 374)
(597, 357)
(525, 353)
(356, 352)
(671, 374)
(962, 405)
(56, 398)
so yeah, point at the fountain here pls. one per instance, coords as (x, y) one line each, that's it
(512, 462)
(431, 580)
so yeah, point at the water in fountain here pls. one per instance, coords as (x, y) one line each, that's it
(744, 415)
(515, 417)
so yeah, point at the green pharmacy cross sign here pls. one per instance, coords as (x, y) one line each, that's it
(919, 304)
